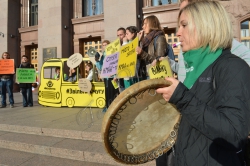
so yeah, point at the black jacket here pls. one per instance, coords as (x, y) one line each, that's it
(26, 85)
(215, 115)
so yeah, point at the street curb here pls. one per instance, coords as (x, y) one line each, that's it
(72, 134)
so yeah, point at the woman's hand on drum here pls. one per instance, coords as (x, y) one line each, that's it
(167, 92)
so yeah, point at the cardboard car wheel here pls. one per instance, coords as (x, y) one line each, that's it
(70, 102)
(100, 102)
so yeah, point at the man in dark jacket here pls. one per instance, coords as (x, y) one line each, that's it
(26, 88)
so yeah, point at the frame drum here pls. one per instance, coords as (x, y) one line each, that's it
(140, 125)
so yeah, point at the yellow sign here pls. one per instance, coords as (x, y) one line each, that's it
(161, 70)
(113, 47)
(115, 84)
(127, 60)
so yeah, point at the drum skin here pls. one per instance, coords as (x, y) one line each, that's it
(140, 125)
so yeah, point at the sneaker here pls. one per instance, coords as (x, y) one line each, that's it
(12, 106)
(3, 106)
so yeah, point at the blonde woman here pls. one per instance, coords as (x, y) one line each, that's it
(214, 99)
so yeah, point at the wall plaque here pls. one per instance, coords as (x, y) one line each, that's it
(49, 53)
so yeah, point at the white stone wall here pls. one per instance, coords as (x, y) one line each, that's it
(3, 26)
(118, 13)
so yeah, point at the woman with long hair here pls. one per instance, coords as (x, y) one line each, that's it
(153, 43)
(131, 34)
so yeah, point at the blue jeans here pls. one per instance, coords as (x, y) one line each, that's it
(27, 96)
(7, 85)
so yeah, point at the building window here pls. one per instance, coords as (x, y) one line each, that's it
(33, 12)
(245, 33)
(163, 2)
(34, 57)
(92, 7)
(96, 43)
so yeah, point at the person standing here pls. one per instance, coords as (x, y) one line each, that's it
(98, 63)
(7, 84)
(153, 44)
(110, 91)
(26, 88)
(131, 34)
(214, 106)
(121, 33)
(238, 48)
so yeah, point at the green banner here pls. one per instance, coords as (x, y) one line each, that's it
(24, 75)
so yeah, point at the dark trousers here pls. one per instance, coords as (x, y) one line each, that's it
(110, 91)
(7, 85)
(167, 159)
(27, 96)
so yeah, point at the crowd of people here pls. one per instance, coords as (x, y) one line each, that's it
(214, 106)
(212, 91)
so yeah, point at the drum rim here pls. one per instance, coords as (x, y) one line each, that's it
(121, 100)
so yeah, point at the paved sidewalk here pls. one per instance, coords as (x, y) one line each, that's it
(78, 119)
(75, 129)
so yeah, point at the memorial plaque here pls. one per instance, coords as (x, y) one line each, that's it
(49, 53)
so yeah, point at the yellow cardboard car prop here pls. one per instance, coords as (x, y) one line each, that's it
(59, 87)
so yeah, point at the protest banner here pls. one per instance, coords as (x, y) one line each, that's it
(84, 85)
(109, 67)
(25, 75)
(74, 60)
(7, 66)
(127, 60)
(113, 47)
(162, 69)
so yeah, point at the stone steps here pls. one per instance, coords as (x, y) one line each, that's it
(30, 159)
(61, 133)
(66, 144)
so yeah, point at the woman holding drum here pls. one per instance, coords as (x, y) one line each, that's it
(214, 99)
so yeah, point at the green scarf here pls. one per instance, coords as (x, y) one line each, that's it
(196, 61)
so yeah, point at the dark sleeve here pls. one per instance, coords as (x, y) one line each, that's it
(228, 118)
(161, 46)
(159, 49)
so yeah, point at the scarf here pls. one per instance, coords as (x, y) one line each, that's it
(196, 61)
(149, 37)
(24, 64)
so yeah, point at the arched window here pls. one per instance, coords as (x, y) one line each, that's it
(245, 32)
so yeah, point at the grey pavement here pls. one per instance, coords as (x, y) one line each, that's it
(41, 135)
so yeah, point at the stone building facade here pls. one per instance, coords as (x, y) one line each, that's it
(45, 29)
